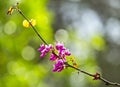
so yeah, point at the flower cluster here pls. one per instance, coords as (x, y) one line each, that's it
(44, 49)
(57, 54)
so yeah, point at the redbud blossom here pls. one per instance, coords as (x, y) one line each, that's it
(58, 54)
(44, 49)
(53, 57)
(59, 66)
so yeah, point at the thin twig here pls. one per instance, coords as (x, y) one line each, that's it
(107, 82)
(21, 13)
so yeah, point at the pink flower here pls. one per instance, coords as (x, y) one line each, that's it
(53, 57)
(67, 52)
(59, 66)
(60, 46)
(59, 55)
(44, 49)
(62, 51)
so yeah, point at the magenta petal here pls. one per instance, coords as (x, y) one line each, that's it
(59, 66)
(60, 46)
(43, 53)
(53, 57)
(60, 69)
(54, 69)
(48, 48)
(67, 53)
(42, 47)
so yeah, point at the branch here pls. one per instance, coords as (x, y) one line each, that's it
(35, 30)
(96, 76)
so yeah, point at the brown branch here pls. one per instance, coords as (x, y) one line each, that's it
(35, 30)
(96, 76)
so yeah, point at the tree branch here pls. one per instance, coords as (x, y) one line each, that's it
(107, 82)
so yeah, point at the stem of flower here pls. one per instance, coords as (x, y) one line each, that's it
(107, 82)
(78, 69)
(35, 30)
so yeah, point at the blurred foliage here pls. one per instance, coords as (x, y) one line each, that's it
(20, 65)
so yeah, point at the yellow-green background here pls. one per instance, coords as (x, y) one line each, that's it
(20, 65)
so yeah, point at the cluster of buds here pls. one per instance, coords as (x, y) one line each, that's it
(58, 54)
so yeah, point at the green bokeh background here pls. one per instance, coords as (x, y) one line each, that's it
(20, 65)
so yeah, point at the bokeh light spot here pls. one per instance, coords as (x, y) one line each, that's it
(10, 27)
(77, 80)
(61, 35)
(28, 53)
